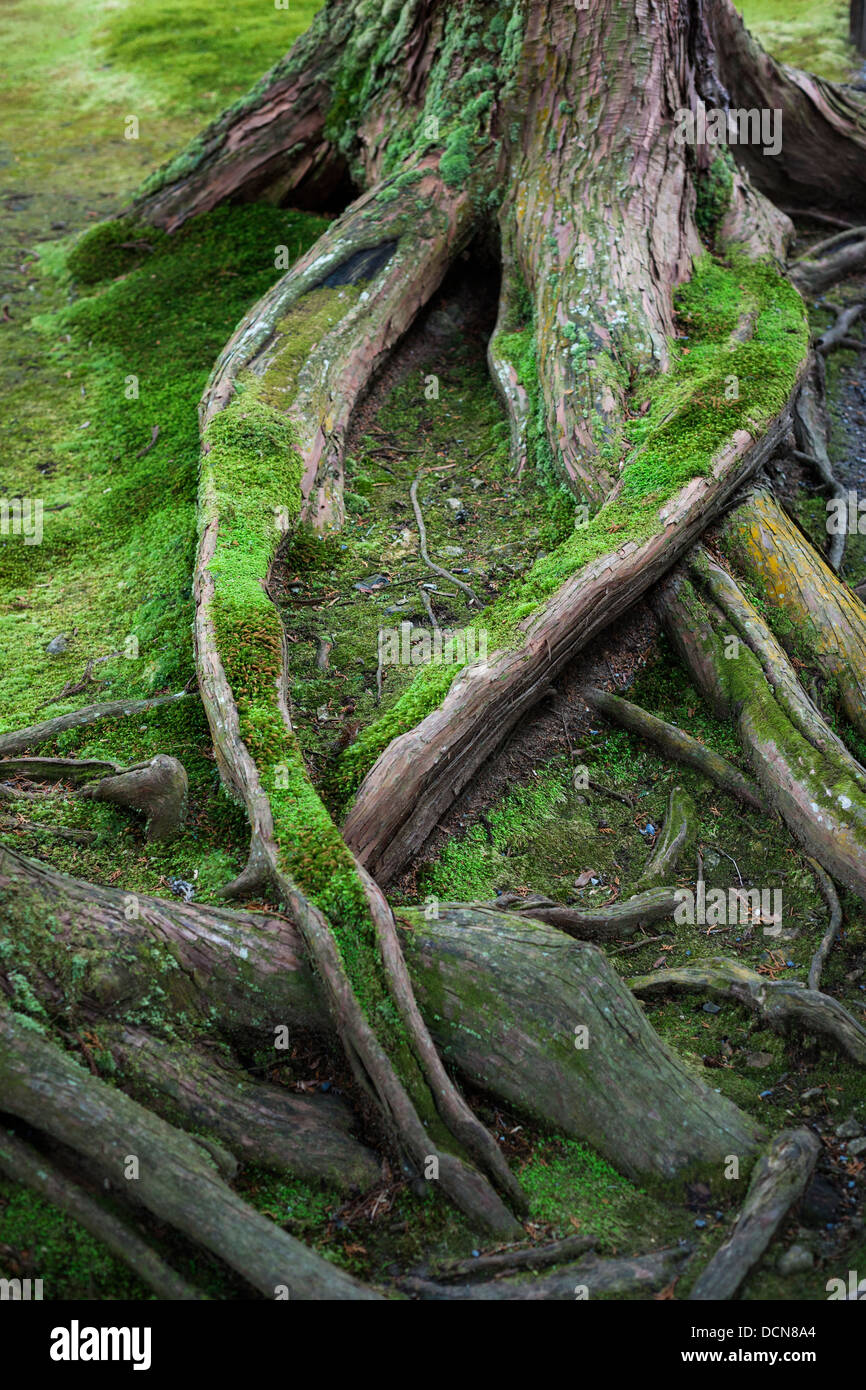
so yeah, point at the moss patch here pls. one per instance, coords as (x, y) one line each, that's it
(716, 385)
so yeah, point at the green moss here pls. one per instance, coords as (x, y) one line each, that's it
(300, 331)
(714, 194)
(68, 1260)
(572, 1189)
(250, 477)
(690, 413)
(110, 250)
(810, 34)
(203, 54)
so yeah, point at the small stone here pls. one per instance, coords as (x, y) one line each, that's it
(711, 1009)
(812, 1094)
(849, 1129)
(857, 1147)
(454, 503)
(759, 1060)
(820, 1203)
(57, 645)
(796, 1260)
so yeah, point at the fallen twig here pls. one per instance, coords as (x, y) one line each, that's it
(831, 898)
(422, 530)
(19, 739)
(154, 436)
(675, 743)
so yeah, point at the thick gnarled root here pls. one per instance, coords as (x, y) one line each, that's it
(501, 996)
(783, 1005)
(176, 1179)
(779, 1180)
(159, 790)
(775, 556)
(817, 793)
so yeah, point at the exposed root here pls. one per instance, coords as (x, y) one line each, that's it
(260, 1123)
(777, 558)
(54, 832)
(177, 1181)
(812, 429)
(676, 744)
(678, 832)
(753, 629)
(21, 739)
(818, 794)
(57, 769)
(271, 144)
(509, 1261)
(831, 898)
(597, 923)
(422, 535)
(24, 1164)
(466, 1128)
(782, 1005)
(499, 993)
(820, 161)
(837, 335)
(848, 257)
(159, 790)
(591, 1278)
(778, 1181)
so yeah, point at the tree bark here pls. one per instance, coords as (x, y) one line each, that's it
(173, 1176)
(502, 997)
(779, 1180)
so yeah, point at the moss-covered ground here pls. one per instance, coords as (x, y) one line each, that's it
(716, 384)
(811, 34)
(116, 561)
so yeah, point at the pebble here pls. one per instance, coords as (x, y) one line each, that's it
(796, 1260)
(712, 1009)
(857, 1147)
(849, 1129)
(57, 645)
(759, 1060)
(812, 1094)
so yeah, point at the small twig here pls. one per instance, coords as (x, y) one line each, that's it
(608, 791)
(636, 945)
(74, 687)
(154, 436)
(422, 530)
(59, 832)
(727, 856)
(379, 668)
(425, 599)
(831, 898)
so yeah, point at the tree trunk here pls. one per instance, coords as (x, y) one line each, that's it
(551, 132)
